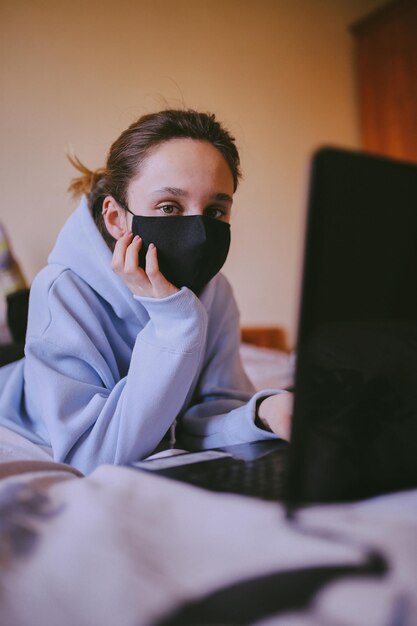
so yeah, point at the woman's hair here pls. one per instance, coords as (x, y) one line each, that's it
(128, 152)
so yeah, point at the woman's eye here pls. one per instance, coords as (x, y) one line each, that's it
(215, 212)
(169, 209)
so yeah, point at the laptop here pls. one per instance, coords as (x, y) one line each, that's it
(354, 429)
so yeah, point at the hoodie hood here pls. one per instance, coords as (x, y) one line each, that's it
(81, 248)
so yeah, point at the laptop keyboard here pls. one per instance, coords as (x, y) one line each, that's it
(262, 478)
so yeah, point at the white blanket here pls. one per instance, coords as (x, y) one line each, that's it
(125, 547)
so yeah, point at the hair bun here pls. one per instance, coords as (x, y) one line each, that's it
(89, 179)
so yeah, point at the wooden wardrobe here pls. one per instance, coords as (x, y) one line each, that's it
(386, 69)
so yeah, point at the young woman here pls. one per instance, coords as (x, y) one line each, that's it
(117, 352)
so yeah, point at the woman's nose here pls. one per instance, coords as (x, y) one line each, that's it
(196, 210)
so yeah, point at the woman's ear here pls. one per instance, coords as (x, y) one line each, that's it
(115, 218)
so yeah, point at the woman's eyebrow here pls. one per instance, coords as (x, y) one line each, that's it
(175, 191)
(222, 197)
(182, 193)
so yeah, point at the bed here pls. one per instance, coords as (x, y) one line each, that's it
(127, 548)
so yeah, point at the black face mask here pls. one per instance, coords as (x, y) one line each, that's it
(191, 249)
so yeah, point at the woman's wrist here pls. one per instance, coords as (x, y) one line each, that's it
(274, 414)
(260, 421)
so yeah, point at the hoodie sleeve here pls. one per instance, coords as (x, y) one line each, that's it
(87, 412)
(223, 408)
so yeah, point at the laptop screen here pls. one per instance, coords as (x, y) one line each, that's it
(355, 412)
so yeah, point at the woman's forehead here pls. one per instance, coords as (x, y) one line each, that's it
(180, 164)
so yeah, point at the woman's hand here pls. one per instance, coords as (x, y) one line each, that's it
(274, 414)
(151, 283)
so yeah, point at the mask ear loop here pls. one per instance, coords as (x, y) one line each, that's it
(124, 206)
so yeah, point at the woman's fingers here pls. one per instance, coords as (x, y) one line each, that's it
(132, 256)
(125, 263)
(152, 266)
(161, 286)
(119, 252)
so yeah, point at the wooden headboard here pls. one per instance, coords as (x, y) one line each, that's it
(266, 337)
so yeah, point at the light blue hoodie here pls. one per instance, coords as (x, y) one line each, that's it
(107, 373)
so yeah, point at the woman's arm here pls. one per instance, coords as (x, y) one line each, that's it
(224, 409)
(89, 409)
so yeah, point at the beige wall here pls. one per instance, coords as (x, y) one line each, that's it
(279, 73)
